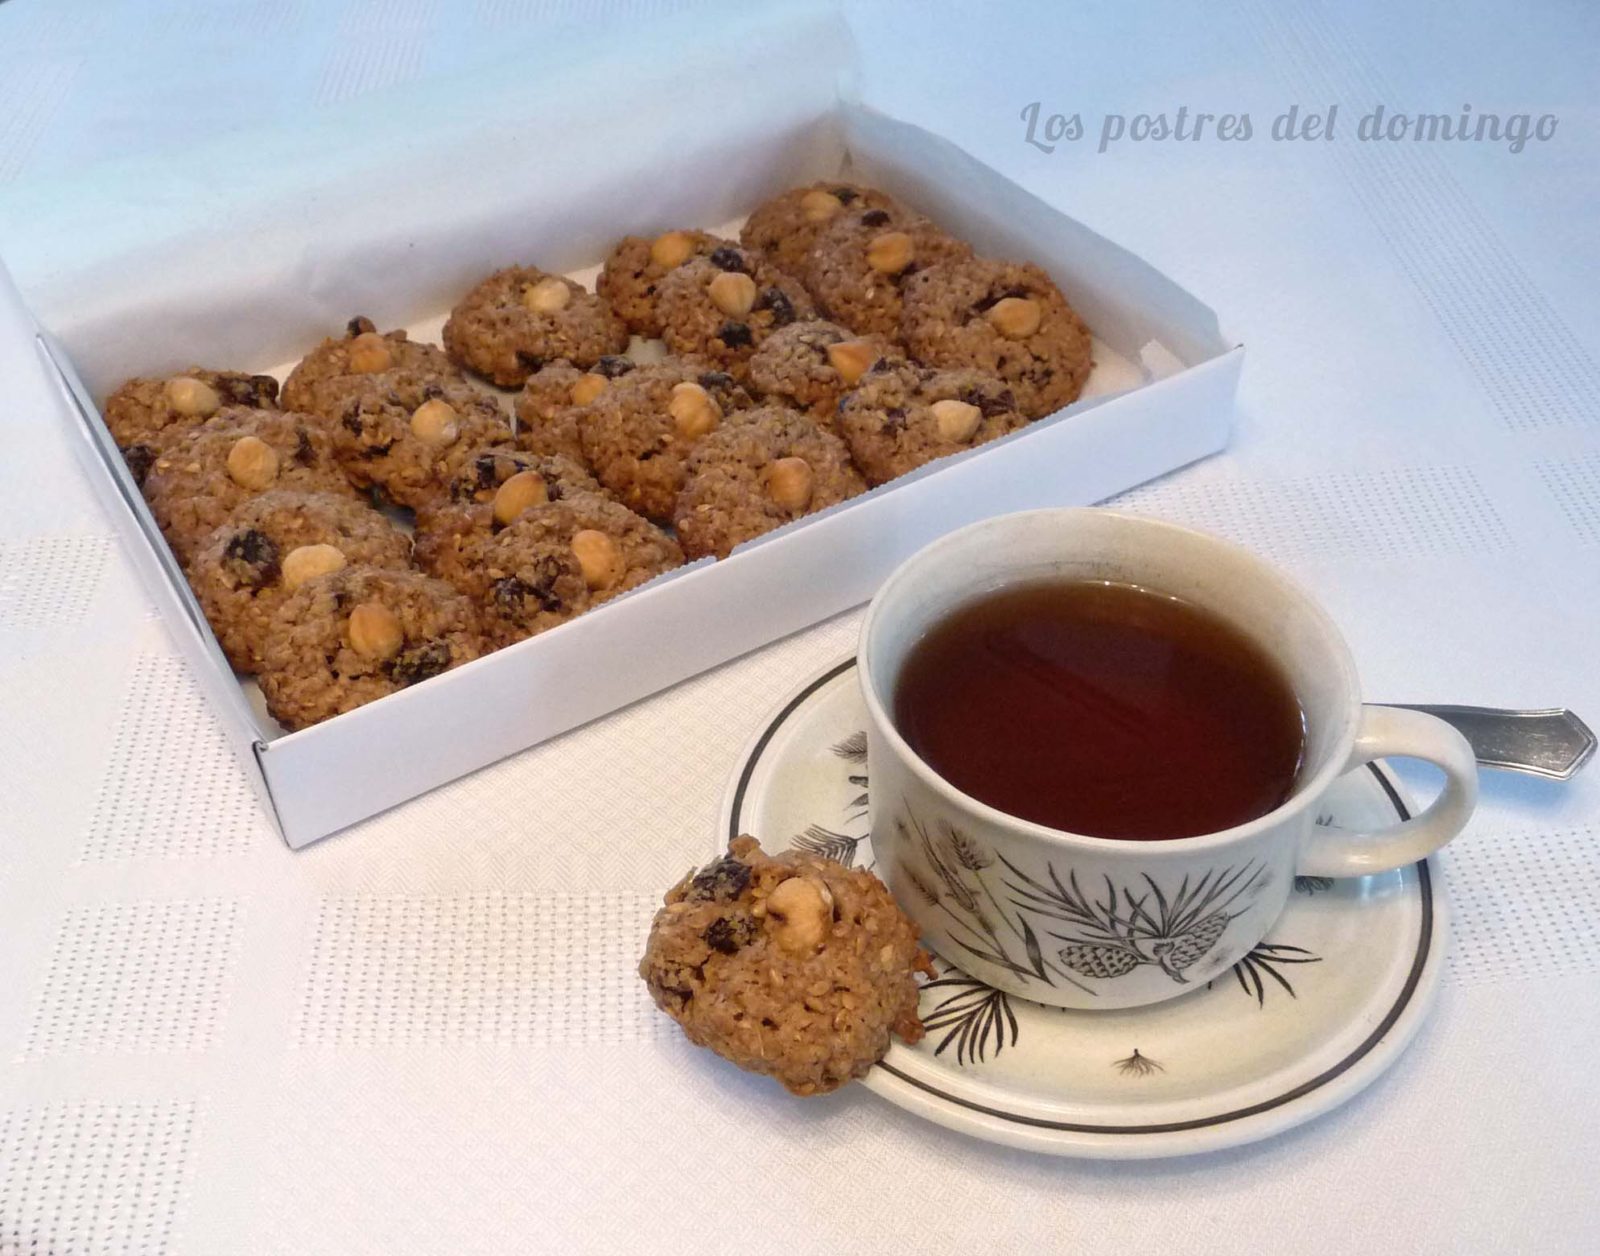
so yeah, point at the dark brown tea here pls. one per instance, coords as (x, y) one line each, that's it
(1102, 709)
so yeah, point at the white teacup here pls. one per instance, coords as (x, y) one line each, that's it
(1088, 922)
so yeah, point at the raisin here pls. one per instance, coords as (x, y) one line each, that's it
(352, 421)
(251, 558)
(885, 363)
(613, 365)
(729, 934)
(989, 402)
(376, 451)
(845, 195)
(994, 298)
(431, 391)
(874, 218)
(894, 419)
(782, 308)
(720, 882)
(729, 258)
(512, 592)
(714, 379)
(735, 335)
(304, 453)
(486, 469)
(140, 458)
(529, 361)
(420, 662)
(257, 391)
(359, 325)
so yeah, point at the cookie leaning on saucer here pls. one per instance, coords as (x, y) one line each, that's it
(793, 966)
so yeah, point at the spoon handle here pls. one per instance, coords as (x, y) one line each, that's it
(1553, 743)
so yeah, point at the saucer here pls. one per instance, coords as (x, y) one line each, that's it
(1318, 1010)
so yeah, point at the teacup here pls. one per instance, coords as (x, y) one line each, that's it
(1089, 922)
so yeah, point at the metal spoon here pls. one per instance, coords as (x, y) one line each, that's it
(1553, 743)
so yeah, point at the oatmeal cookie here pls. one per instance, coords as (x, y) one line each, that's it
(785, 227)
(519, 318)
(757, 472)
(555, 561)
(638, 434)
(902, 416)
(637, 266)
(1005, 318)
(810, 366)
(356, 634)
(554, 398)
(272, 545)
(197, 481)
(327, 375)
(794, 966)
(409, 432)
(145, 413)
(721, 307)
(862, 259)
(490, 491)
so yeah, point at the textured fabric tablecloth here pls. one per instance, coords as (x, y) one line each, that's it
(426, 1035)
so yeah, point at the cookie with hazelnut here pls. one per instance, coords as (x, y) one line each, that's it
(351, 636)
(518, 319)
(786, 226)
(273, 544)
(723, 306)
(902, 416)
(555, 397)
(556, 561)
(790, 965)
(327, 375)
(760, 470)
(635, 268)
(861, 261)
(198, 480)
(810, 366)
(638, 434)
(144, 413)
(1005, 318)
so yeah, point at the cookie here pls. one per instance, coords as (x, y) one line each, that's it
(638, 434)
(343, 639)
(862, 259)
(555, 561)
(635, 268)
(145, 413)
(901, 416)
(271, 546)
(786, 227)
(810, 366)
(519, 318)
(1005, 318)
(199, 480)
(494, 487)
(550, 403)
(326, 376)
(793, 966)
(408, 432)
(757, 472)
(721, 307)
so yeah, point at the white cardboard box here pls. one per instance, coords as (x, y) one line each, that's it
(228, 270)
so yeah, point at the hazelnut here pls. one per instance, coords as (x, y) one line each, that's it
(671, 249)
(369, 354)
(1015, 318)
(547, 296)
(891, 252)
(694, 411)
(191, 397)
(598, 558)
(733, 292)
(956, 420)
(852, 359)
(375, 631)
(801, 911)
(434, 421)
(790, 482)
(520, 492)
(819, 206)
(587, 388)
(252, 463)
(307, 562)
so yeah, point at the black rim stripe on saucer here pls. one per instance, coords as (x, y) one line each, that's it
(1418, 963)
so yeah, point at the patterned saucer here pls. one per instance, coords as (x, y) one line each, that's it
(1327, 1002)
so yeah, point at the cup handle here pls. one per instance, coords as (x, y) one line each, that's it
(1392, 731)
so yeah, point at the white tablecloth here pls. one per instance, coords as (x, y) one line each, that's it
(426, 1035)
